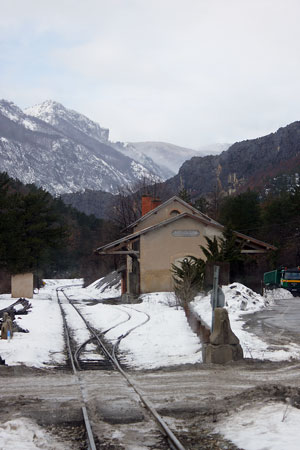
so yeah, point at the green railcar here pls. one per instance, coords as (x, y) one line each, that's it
(284, 277)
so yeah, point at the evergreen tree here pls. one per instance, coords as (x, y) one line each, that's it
(184, 195)
(201, 204)
(29, 229)
(225, 248)
(242, 213)
(188, 278)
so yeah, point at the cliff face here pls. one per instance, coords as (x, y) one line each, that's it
(246, 164)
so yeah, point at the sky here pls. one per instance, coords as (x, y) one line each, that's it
(189, 72)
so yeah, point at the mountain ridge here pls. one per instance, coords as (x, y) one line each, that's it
(59, 155)
(246, 164)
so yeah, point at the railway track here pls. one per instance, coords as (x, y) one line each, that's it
(110, 361)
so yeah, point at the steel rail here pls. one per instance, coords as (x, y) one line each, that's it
(78, 351)
(91, 441)
(172, 439)
(173, 442)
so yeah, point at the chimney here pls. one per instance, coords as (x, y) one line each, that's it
(146, 204)
(156, 202)
(149, 203)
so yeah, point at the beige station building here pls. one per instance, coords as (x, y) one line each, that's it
(165, 234)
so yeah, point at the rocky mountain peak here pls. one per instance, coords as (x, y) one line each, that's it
(14, 114)
(10, 110)
(61, 117)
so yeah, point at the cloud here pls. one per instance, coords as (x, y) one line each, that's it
(190, 72)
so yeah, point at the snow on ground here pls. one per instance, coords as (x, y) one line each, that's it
(164, 340)
(240, 301)
(159, 333)
(44, 344)
(25, 434)
(272, 426)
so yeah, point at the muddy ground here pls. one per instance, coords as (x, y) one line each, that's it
(190, 398)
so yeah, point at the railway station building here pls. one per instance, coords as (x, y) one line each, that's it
(164, 235)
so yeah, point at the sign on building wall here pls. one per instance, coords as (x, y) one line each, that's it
(185, 233)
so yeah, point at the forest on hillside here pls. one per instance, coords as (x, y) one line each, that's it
(40, 233)
(274, 219)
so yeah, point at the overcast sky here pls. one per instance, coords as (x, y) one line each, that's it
(190, 72)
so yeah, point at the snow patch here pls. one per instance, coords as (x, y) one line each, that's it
(274, 426)
(25, 434)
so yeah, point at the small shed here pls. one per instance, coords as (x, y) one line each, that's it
(22, 285)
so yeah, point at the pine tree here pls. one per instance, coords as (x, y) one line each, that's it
(29, 229)
(184, 195)
(188, 278)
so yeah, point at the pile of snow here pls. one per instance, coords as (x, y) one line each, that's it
(277, 294)
(273, 426)
(240, 301)
(106, 287)
(26, 434)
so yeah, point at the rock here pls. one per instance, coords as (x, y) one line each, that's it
(224, 345)
(222, 354)
(222, 333)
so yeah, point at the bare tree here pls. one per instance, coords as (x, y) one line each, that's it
(127, 208)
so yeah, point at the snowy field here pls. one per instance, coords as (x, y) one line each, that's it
(158, 333)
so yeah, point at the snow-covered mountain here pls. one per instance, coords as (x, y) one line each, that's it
(63, 151)
(170, 157)
(67, 120)
(161, 167)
